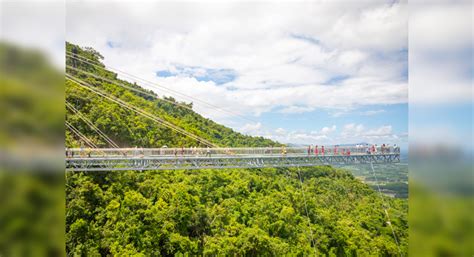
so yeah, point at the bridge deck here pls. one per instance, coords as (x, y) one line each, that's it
(219, 158)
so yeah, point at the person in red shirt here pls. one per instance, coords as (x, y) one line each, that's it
(316, 150)
(322, 150)
(348, 151)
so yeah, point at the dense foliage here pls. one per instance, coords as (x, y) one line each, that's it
(231, 212)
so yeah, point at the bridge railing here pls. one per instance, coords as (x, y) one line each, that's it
(242, 151)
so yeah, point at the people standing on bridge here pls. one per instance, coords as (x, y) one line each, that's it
(208, 152)
(81, 150)
(309, 150)
(322, 150)
(335, 150)
(316, 151)
(348, 151)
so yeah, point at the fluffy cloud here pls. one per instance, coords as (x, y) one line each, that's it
(295, 109)
(252, 129)
(372, 112)
(357, 133)
(325, 130)
(350, 133)
(349, 56)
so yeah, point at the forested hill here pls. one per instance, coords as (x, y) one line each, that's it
(127, 128)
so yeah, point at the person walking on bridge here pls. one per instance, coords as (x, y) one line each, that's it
(208, 152)
(81, 150)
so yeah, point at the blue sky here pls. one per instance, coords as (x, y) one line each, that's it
(394, 115)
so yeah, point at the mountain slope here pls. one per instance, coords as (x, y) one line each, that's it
(128, 128)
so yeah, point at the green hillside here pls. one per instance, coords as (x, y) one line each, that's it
(127, 128)
(231, 212)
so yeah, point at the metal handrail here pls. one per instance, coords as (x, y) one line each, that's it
(238, 151)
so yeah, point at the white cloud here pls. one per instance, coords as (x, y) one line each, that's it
(286, 68)
(382, 131)
(325, 130)
(359, 133)
(328, 135)
(372, 112)
(280, 131)
(351, 58)
(252, 129)
(295, 109)
(352, 130)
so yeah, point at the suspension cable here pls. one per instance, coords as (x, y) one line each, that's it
(80, 135)
(384, 206)
(129, 88)
(306, 210)
(139, 111)
(91, 125)
(154, 85)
